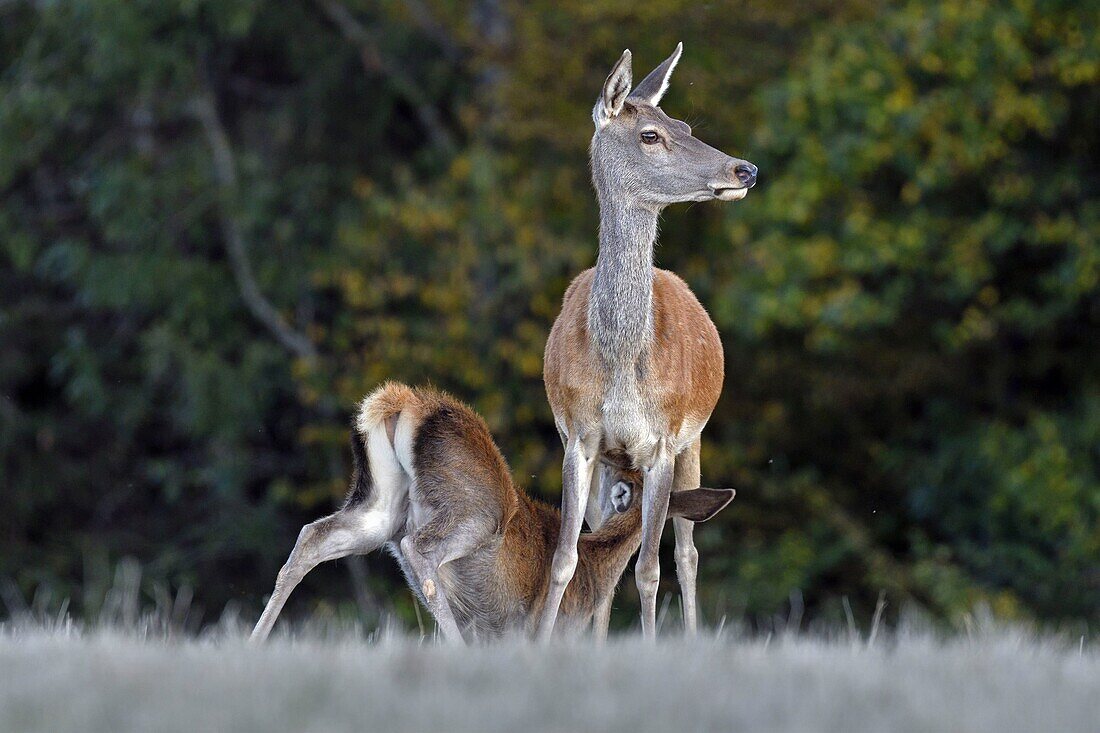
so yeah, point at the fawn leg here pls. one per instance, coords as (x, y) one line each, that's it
(601, 619)
(426, 552)
(346, 532)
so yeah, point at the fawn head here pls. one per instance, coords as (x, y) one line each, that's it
(698, 505)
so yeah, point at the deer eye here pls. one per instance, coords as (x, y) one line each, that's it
(649, 137)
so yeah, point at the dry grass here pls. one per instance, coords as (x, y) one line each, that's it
(64, 679)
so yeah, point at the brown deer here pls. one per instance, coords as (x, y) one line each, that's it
(634, 365)
(430, 484)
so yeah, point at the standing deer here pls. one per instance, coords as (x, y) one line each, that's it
(633, 364)
(430, 484)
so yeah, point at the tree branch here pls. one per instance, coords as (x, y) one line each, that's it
(225, 174)
(374, 61)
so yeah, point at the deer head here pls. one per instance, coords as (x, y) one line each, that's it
(641, 155)
(698, 505)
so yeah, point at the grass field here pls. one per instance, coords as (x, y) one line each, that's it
(67, 680)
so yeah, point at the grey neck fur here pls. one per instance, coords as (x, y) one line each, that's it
(620, 310)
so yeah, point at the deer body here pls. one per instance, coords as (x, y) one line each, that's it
(430, 485)
(665, 392)
(634, 365)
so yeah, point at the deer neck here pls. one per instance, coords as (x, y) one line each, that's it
(602, 557)
(620, 309)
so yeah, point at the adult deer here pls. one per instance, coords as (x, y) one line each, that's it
(431, 485)
(634, 364)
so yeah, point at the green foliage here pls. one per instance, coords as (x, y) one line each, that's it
(914, 290)
(909, 299)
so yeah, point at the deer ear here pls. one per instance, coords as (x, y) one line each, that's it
(615, 91)
(654, 86)
(699, 505)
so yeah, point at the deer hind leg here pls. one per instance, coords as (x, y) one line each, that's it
(371, 517)
(577, 470)
(685, 477)
(338, 535)
(604, 475)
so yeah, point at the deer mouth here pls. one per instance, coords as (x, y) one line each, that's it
(730, 193)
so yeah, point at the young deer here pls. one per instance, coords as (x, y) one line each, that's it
(430, 484)
(634, 364)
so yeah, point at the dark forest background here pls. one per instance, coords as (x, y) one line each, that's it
(223, 222)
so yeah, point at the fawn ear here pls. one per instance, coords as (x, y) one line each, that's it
(615, 91)
(654, 86)
(699, 505)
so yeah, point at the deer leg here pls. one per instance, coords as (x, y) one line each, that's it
(577, 471)
(685, 477)
(656, 487)
(338, 535)
(604, 475)
(425, 554)
(601, 619)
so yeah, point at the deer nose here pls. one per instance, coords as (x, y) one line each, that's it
(746, 173)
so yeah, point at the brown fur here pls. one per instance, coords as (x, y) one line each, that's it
(683, 372)
(463, 477)
(602, 556)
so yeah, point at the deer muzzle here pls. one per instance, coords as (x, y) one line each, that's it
(737, 177)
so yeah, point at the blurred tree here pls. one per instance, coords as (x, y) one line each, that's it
(913, 307)
(170, 176)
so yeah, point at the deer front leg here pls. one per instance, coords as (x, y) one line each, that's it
(338, 535)
(577, 471)
(425, 566)
(656, 488)
(686, 477)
